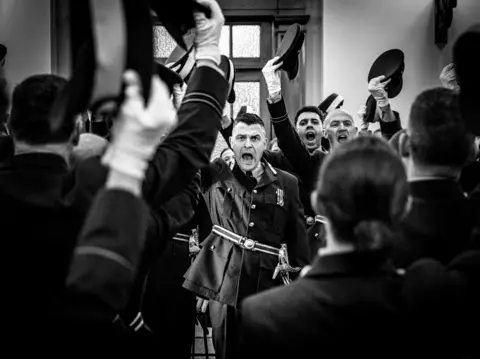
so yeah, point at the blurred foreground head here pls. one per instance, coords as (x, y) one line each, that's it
(30, 117)
(362, 191)
(437, 141)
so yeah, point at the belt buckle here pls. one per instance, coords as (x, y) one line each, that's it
(310, 220)
(249, 244)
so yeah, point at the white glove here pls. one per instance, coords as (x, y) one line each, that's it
(361, 116)
(137, 130)
(271, 74)
(179, 92)
(207, 38)
(377, 89)
(448, 77)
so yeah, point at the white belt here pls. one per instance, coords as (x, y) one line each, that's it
(244, 242)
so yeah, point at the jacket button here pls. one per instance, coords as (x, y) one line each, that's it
(251, 224)
(212, 247)
(254, 206)
(316, 234)
(254, 191)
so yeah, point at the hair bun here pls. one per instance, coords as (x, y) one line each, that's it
(372, 235)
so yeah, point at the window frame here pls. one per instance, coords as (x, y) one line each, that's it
(250, 63)
(248, 69)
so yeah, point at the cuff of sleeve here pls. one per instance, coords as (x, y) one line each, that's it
(278, 111)
(390, 128)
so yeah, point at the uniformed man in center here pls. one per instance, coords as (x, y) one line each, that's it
(258, 238)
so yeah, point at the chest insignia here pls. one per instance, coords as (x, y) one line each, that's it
(280, 201)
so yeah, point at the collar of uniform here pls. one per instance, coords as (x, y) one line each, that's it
(269, 175)
(40, 160)
(350, 263)
(435, 188)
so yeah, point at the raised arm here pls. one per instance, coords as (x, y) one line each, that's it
(189, 146)
(288, 140)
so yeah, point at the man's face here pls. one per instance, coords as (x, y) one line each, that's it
(340, 128)
(248, 143)
(229, 157)
(309, 128)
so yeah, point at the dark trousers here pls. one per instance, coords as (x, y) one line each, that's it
(224, 335)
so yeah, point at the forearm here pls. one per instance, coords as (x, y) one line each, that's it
(187, 149)
(390, 128)
(288, 140)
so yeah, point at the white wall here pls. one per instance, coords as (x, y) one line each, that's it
(25, 30)
(357, 31)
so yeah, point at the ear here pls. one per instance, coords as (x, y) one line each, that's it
(230, 140)
(404, 145)
(355, 131)
(77, 130)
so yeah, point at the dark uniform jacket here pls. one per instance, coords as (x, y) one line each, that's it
(347, 304)
(99, 281)
(105, 260)
(269, 212)
(439, 224)
(43, 204)
(443, 304)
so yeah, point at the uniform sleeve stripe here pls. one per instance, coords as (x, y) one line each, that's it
(207, 96)
(206, 102)
(280, 119)
(102, 252)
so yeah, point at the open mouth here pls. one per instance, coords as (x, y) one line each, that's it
(247, 157)
(310, 136)
(342, 137)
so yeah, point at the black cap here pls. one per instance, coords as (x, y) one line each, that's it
(390, 64)
(229, 69)
(466, 55)
(289, 50)
(3, 54)
(103, 47)
(177, 17)
(183, 61)
(332, 102)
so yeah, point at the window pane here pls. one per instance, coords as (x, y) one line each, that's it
(247, 94)
(225, 41)
(246, 40)
(163, 44)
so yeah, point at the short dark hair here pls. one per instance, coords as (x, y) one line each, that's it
(363, 207)
(32, 103)
(313, 109)
(249, 119)
(437, 131)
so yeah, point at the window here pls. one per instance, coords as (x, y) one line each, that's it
(248, 45)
